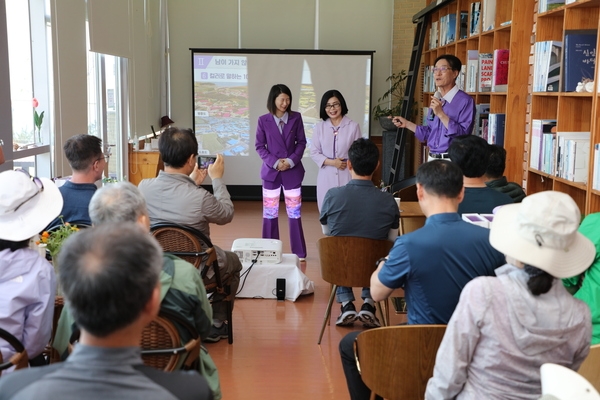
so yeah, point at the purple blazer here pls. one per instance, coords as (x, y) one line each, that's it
(272, 146)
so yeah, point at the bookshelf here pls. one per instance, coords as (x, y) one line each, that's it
(572, 111)
(513, 22)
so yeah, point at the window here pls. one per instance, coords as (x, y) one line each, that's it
(108, 114)
(30, 69)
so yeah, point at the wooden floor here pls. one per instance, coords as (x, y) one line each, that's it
(275, 353)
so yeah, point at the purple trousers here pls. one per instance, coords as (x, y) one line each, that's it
(293, 203)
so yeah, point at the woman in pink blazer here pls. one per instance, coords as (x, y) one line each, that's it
(280, 143)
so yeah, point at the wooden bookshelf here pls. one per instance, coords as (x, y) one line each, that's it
(512, 30)
(572, 111)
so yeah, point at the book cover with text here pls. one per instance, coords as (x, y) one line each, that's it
(500, 71)
(486, 67)
(579, 60)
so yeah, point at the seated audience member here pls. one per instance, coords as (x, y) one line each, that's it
(176, 196)
(471, 154)
(84, 153)
(505, 327)
(586, 286)
(27, 281)
(110, 278)
(432, 264)
(494, 175)
(360, 209)
(182, 290)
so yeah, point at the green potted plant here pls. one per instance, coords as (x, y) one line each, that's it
(390, 103)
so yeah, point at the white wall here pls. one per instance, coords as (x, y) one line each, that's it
(275, 24)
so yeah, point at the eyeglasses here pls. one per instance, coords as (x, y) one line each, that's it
(35, 180)
(106, 155)
(330, 106)
(441, 69)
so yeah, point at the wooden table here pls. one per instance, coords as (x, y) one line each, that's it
(411, 217)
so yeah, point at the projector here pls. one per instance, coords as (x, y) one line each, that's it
(264, 251)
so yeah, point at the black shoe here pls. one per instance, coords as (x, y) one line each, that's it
(217, 334)
(367, 316)
(347, 316)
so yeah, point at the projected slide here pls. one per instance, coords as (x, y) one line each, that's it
(230, 89)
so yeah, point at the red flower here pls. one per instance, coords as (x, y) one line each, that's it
(35, 103)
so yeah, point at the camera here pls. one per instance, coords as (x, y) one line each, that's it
(205, 161)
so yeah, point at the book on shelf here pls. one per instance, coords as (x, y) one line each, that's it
(500, 70)
(463, 27)
(539, 127)
(579, 61)
(472, 70)
(548, 5)
(450, 30)
(482, 112)
(549, 152)
(461, 78)
(572, 155)
(475, 24)
(547, 66)
(489, 15)
(486, 66)
(496, 128)
(433, 35)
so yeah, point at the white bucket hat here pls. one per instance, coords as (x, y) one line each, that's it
(26, 206)
(542, 232)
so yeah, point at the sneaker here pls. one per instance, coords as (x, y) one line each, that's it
(367, 316)
(217, 334)
(347, 316)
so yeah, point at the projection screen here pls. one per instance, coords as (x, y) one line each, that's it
(230, 89)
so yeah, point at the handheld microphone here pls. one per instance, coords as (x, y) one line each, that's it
(438, 96)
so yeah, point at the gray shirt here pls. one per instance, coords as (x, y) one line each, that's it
(102, 373)
(175, 198)
(359, 209)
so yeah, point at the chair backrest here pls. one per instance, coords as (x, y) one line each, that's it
(161, 343)
(590, 369)
(20, 359)
(397, 361)
(191, 245)
(406, 189)
(350, 261)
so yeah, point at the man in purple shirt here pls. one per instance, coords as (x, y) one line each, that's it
(451, 114)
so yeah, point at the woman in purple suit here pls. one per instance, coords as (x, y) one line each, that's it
(280, 143)
(330, 143)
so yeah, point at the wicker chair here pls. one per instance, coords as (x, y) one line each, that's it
(20, 359)
(50, 352)
(161, 344)
(194, 247)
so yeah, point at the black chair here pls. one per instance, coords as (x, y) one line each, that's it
(20, 359)
(194, 247)
(406, 189)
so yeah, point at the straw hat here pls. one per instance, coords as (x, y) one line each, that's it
(26, 205)
(542, 232)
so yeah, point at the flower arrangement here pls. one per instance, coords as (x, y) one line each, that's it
(37, 120)
(54, 240)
